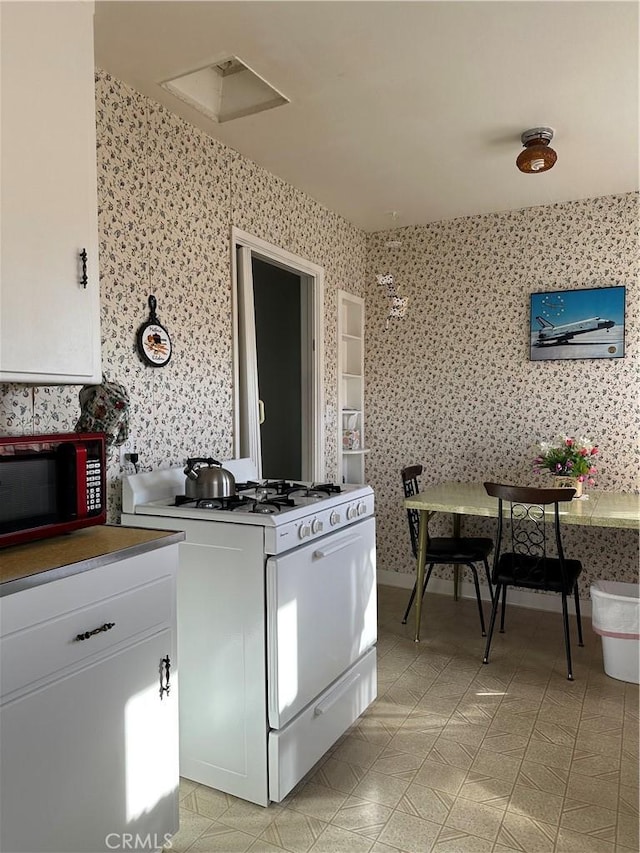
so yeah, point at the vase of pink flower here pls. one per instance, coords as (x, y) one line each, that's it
(570, 460)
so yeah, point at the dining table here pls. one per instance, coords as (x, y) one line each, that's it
(594, 509)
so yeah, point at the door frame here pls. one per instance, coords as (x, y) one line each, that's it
(314, 276)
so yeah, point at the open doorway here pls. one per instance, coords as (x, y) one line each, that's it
(283, 369)
(278, 348)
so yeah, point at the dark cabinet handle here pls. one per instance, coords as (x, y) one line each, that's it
(106, 627)
(83, 277)
(165, 666)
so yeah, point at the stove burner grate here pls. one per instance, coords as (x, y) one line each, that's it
(316, 491)
(238, 503)
(234, 502)
(266, 507)
(283, 488)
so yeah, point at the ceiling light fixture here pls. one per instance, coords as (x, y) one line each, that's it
(537, 155)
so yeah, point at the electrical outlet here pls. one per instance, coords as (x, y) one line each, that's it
(130, 446)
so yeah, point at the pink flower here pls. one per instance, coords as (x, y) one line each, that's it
(593, 470)
(566, 456)
(592, 482)
(581, 478)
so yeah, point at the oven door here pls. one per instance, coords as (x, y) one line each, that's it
(321, 616)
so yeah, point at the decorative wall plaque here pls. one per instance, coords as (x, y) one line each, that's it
(154, 343)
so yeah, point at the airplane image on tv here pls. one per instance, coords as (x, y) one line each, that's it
(550, 334)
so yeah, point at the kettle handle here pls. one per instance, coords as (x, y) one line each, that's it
(191, 471)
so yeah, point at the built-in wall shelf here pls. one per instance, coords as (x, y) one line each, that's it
(351, 435)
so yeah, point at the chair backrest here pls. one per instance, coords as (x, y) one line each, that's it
(411, 487)
(528, 532)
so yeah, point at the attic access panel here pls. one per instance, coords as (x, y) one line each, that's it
(225, 90)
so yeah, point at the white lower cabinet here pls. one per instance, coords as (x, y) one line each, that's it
(90, 747)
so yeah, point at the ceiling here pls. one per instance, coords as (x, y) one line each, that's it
(413, 107)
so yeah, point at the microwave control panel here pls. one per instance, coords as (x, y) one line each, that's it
(94, 486)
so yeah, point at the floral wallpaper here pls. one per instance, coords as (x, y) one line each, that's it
(168, 195)
(451, 386)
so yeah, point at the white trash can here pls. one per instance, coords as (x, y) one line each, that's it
(615, 615)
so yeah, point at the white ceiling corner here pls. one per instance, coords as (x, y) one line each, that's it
(411, 106)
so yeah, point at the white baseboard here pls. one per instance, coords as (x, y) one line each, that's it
(518, 597)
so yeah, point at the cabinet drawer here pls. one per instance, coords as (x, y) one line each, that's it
(294, 749)
(30, 652)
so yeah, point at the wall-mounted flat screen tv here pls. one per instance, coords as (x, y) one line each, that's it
(587, 323)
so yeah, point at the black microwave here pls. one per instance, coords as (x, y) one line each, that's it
(50, 484)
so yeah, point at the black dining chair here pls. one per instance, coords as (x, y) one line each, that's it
(522, 557)
(441, 551)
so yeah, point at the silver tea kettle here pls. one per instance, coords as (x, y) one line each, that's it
(206, 478)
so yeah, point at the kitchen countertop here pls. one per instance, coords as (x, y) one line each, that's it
(36, 563)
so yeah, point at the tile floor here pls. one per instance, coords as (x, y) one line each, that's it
(457, 757)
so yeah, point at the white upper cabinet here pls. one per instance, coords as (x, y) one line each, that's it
(49, 315)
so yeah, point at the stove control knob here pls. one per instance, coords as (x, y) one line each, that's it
(316, 526)
(334, 518)
(352, 512)
(305, 530)
(362, 508)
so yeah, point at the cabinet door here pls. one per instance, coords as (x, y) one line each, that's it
(49, 321)
(92, 756)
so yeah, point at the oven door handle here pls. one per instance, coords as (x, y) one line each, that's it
(333, 549)
(337, 693)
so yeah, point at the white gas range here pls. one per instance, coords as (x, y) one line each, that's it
(276, 623)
